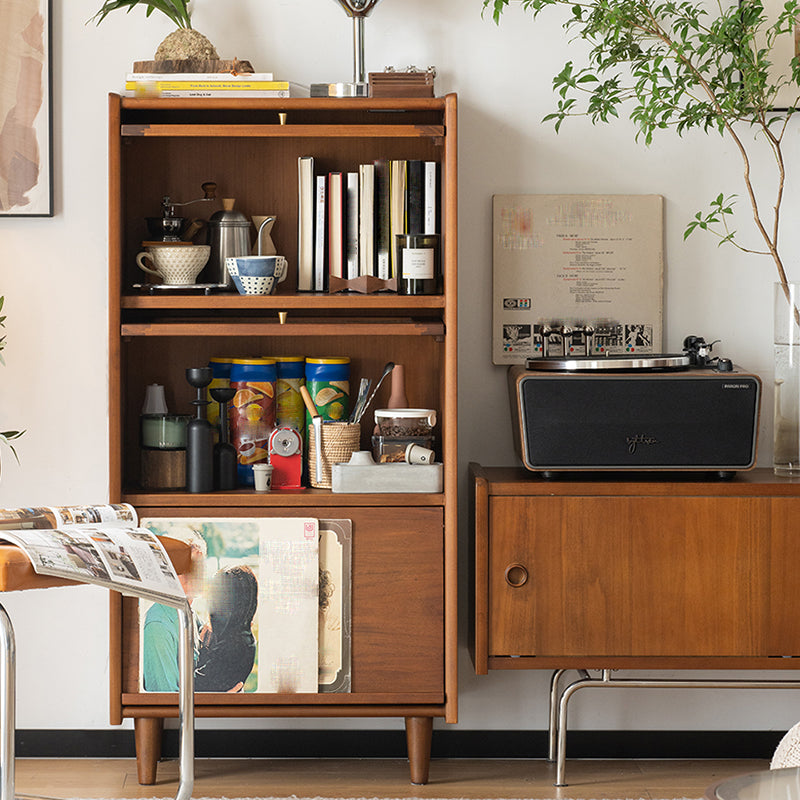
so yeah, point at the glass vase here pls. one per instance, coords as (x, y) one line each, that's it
(786, 418)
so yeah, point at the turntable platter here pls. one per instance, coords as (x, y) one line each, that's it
(652, 362)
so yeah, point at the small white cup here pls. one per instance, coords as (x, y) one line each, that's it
(417, 454)
(262, 474)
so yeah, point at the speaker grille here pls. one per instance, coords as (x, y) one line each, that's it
(642, 421)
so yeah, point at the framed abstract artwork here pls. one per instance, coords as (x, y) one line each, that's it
(26, 176)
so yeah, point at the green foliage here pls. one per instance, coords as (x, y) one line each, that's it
(6, 437)
(684, 65)
(176, 10)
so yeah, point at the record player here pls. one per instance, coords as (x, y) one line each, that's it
(672, 412)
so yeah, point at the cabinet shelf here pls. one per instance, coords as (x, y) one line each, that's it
(284, 498)
(398, 304)
(288, 131)
(273, 327)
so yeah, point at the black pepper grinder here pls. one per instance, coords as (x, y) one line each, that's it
(225, 477)
(199, 436)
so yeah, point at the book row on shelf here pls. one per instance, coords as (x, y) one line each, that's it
(365, 222)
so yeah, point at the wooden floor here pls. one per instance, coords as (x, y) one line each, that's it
(381, 778)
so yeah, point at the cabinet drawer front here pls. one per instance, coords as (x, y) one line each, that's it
(397, 606)
(642, 576)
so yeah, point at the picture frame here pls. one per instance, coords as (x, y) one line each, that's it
(26, 108)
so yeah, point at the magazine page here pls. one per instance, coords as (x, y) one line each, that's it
(129, 560)
(44, 517)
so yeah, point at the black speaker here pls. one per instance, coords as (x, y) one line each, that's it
(698, 419)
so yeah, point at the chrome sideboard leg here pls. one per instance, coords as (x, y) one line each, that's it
(8, 711)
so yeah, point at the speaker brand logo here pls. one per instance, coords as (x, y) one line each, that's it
(634, 441)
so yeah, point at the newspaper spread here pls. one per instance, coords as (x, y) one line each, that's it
(99, 544)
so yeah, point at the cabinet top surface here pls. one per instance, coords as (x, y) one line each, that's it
(517, 481)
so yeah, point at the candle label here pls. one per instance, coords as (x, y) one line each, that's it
(418, 263)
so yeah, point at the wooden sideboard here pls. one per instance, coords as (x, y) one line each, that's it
(634, 572)
(624, 571)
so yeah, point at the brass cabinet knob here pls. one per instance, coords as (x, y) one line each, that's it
(516, 575)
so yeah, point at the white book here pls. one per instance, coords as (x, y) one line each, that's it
(366, 222)
(320, 229)
(305, 224)
(351, 238)
(429, 198)
(199, 76)
(397, 206)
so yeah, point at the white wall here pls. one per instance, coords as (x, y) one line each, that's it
(53, 274)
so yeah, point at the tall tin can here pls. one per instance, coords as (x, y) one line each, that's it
(328, 383)
(289, 407)
(252, 412)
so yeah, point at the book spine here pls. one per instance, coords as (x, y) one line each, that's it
(305, 223)
(431, 198)
(320, 229)
(415, 190)
(383, 243)
(254, 93)
(366, 223)
(397, 210)
(335, 224)
(199, 76)
(217, 86)
(351, 239)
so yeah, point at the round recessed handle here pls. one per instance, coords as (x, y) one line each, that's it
(516, 575)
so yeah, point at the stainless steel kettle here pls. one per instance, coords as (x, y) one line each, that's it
(229, 236)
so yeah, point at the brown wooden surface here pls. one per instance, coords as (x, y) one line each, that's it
(405, 581)
(652, 575)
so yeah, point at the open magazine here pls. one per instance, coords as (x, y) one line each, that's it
(99, 544)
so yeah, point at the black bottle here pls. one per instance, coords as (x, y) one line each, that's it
(199, 436)
(225, 477)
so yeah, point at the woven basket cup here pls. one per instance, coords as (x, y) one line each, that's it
(339, 441)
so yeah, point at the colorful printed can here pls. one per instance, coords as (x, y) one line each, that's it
(221, 370)
(252, 412)
(289, 407)
(328, 382)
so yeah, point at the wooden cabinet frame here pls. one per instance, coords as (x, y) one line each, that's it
(406, 541)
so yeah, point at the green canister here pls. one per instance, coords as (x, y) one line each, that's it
(290, 411)
(328, 383)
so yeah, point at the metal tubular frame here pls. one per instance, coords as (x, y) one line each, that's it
(8, 715)
(559, 700)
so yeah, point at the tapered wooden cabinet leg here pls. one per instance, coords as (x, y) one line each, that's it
(418, 737)
(147, 733)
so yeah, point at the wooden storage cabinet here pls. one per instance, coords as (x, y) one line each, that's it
(404, 550)
(638, 573)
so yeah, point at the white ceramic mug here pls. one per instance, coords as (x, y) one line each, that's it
(176, 265)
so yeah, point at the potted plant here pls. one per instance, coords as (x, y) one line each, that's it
(6, 437)
(184, 43)
(687, 64)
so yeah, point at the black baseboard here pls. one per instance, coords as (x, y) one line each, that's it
(391, 744)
